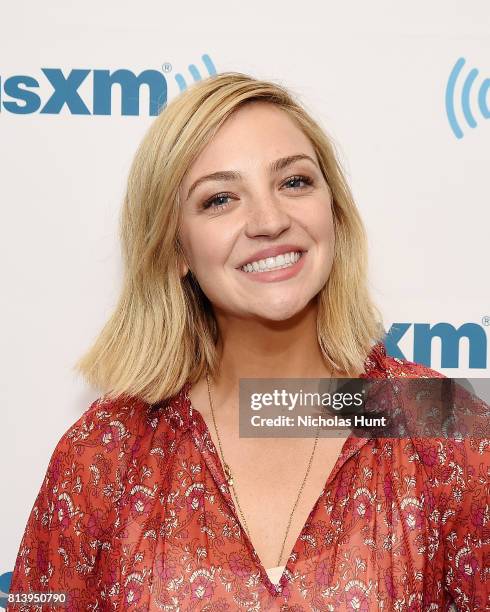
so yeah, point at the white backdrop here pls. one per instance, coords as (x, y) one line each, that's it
(378, 77)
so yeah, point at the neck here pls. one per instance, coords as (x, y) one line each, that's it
(270, 349)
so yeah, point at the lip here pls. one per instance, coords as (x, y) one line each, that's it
(277, 275)
(280, 249)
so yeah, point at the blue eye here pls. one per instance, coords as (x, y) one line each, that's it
(218, 196)
(214, 203)
(299, 178)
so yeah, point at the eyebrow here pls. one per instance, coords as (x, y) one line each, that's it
(230, 175)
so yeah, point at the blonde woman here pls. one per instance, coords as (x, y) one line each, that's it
(245, 257)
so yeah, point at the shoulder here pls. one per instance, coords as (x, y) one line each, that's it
(96, 480)
(109, 437)
(440, 456)
(91, 458)
(454, 465)
(410, 369)
(381, 365)
(92, 462)
(108, 425)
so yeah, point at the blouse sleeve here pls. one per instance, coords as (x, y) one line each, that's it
(464, 507)
(73, 513)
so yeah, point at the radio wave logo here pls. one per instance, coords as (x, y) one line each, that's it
(469, 89)
(195, 74)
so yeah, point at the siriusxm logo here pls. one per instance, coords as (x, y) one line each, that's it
(22, 94)
(449, 336)
(469, 88)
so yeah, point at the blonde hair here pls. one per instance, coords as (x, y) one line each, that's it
(163, 332)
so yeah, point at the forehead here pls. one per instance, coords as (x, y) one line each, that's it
(254, 134)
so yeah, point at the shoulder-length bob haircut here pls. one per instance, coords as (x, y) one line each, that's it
(163, 332)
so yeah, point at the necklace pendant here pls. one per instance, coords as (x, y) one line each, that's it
(229, 477)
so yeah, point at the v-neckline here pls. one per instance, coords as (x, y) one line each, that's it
(200, 431)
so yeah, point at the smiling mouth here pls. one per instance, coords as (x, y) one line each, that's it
(271, 264)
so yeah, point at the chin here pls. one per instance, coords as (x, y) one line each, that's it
(282, 314)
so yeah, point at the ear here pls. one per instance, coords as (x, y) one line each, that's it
(183, 268)
(182, 262)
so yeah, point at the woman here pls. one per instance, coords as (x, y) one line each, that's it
(245, 257)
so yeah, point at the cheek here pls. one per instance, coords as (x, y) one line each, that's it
(318, 221)
(207, 248)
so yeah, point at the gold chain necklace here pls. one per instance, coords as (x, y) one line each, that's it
(229, 476)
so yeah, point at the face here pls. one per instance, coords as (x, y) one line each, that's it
(266, 196)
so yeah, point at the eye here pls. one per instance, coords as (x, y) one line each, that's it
(219, 196)
(298, 178)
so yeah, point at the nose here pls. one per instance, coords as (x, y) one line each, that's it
(265, 216)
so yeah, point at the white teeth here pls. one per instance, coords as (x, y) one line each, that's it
(280, 260)
(285, 260)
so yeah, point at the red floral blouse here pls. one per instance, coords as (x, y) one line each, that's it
(134, 513)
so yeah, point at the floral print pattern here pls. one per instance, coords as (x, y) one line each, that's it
(134, 513)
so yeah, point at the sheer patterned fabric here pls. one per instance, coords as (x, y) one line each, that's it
(134, 514)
